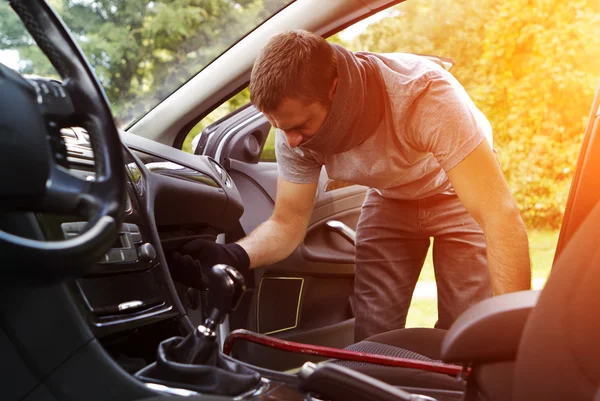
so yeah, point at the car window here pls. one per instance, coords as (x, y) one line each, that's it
(268, 152)
(229, 106)
(226, 108)
(18, 50)
(142, 51)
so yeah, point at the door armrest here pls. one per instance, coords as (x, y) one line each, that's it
(491, 330)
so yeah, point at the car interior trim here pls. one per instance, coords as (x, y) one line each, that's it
(134, 318)
(232, 131)
(470, 337)
(297, 305)
(161, 388)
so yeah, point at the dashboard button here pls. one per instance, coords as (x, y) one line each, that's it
(135, 237)
(75, 227)
(132, 228)
(129, 255)
(115, 256)
(146, 252)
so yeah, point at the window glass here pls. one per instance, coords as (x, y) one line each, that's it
(142, 51)
(228, 107)
(18, 50)
(268, 152)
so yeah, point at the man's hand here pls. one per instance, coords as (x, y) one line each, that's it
(188, 271)
(186, 265)
(480, 185)
(210, 253)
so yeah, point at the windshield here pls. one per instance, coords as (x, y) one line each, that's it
(141, 50)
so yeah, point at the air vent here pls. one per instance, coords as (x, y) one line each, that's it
(80, 155)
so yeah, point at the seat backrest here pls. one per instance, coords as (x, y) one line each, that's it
(584, 193)
(559, 353)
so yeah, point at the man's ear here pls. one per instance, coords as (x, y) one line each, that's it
(333, 88)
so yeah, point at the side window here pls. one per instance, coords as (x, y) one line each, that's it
(235, 102)
(226, 108)
(268, 152)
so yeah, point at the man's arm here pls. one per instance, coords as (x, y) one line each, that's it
(276, 238)
(480, 185)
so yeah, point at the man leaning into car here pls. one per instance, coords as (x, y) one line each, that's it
(407, 129)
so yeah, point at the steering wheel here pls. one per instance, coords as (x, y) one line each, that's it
(33, 169)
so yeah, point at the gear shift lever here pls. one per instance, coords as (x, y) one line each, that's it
(226, 289)
(205, 369)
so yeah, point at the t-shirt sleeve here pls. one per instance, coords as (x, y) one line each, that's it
(295, 165)
(444, 121)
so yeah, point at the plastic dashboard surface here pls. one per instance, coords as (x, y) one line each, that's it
(171, 197)
(216, 203)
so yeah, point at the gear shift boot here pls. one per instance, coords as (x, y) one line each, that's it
(194, 362)
(217, 374)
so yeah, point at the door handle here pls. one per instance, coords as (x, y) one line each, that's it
(346, 232)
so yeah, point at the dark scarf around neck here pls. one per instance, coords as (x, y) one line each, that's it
(358, 105)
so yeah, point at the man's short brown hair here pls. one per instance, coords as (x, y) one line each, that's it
(295, 64)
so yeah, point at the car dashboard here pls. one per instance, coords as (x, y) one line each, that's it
(171, 198)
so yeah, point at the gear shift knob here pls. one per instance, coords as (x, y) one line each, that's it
(227, 287)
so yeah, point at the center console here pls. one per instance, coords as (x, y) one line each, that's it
(126, 289)
(193, 365)
(123, 282)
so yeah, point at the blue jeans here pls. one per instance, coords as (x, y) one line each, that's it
(393, 237)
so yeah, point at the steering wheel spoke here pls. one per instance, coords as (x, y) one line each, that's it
(54, 100)
(65, 192)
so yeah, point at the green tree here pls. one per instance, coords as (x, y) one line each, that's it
(541, 69)
(444, 28)
(530, 65)
(142, 51)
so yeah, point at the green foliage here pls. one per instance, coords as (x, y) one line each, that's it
(142, 51)
(541, 70)
(437, 27)
(14, 36)
(530, 65)
(268, 152)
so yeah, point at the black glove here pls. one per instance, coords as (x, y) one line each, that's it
(188, 271)
(209, 253)
(186, 265)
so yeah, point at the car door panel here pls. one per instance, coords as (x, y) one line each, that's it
(257, 185)
(306, 297)
(322, 244)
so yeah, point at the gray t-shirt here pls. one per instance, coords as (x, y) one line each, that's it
(433, 126)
